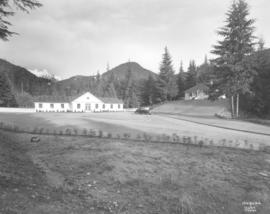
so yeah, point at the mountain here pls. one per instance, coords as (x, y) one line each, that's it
(120, 72)
(99, 84)
(123, 81)
(21, 80)
(44, 73)
(137, 72)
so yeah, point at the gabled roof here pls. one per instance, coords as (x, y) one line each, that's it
(53, 99)
(69, 99)
(200, 86)
(110, 100)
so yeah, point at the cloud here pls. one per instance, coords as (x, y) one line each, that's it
(70, 37)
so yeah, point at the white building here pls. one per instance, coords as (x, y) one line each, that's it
(198, 92)
(86, 102)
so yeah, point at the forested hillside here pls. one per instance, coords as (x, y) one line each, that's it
(123, 81)
(133, 84)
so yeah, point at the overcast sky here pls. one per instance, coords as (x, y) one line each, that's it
(72, 37)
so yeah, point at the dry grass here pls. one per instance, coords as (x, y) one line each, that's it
(117, 176)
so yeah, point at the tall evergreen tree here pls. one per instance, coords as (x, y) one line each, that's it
(258, 102)
(130, 96)
(7, 98)
(167, 76)
(205, 72)
(234, 70)
(7, 9)
(181, 81)
(160, 94)
(191, 79)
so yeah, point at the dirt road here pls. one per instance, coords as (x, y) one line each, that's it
(127, 122)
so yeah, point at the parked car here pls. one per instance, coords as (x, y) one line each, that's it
(143, 111)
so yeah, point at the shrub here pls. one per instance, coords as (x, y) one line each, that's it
(15, 128)
(100, 133)
(109, 135)
(189, 140)
(175, 137)
(264, 148)
(251, 146)
(195, 139)
(75, 131)
(147, 137)
(84, 132)
(139, 137)
(165, 137)
(158, 138)
(126, 135)
(68, 131)
(200, 143)
(184, 139)
(35, 130)
(92, 132)
(223, 142)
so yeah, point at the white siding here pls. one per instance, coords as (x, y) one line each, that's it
(198, 95)
(84, 100)
(46, 107)
(85, 103)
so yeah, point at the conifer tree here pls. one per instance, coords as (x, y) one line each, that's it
(234, 70)
(7, 98)
(191, 79)
(7, 9)
(167, 76)
(130, 96)
(148, 92)
(181, 81)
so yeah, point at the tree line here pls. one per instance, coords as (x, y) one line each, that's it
(240, 69)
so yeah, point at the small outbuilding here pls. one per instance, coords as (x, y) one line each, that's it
(198, 92)
(85, 102)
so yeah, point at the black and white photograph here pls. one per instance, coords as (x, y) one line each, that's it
(134, 107)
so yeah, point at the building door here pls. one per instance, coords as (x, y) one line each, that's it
(87, 107)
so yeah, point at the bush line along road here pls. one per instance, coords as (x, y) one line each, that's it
(154, 125)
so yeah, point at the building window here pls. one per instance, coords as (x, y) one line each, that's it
(52, 105)
(103, 106)
(40, 105)
(87, 98)
(111, 106)
(96, 105)
(62, 105)
(78, 106)
(119, 106)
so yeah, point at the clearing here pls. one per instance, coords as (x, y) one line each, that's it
(76, 175)
(156, 124)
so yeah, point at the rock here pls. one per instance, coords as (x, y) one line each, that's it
(264, 174)
(224, 113)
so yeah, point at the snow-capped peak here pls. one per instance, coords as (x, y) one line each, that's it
(44, 73)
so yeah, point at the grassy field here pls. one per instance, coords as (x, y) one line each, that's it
(75, 175)
(199, 108)
(128, 122)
